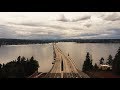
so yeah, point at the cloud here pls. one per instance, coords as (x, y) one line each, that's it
(91, 25)
(6, 32)
(112, 17)
(65, 30)
(54, 25)
(108, 33)
(38, 24)
(114, 31)
(85, 17)
(24, 33)
(89, 34)
(62, 18)
(25, 23)
(88, 25)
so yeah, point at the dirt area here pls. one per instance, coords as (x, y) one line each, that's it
(102, 74)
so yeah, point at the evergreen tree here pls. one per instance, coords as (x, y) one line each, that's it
(3, 65)
(87, 63)
(116, 62)
(0, 66)
(109, 60)
(0, 69)
(18, 59)
(95, 66)
(102, 60)
(19, 69)
(23, 58)
(32, 58)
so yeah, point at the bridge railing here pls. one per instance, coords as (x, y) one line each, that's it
(70, 59)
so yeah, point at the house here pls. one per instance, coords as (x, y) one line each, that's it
(105, 67)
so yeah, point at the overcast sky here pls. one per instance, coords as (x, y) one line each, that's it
(59, 25)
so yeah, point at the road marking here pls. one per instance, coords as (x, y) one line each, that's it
(64, 66)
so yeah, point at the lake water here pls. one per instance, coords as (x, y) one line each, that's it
(44, 52)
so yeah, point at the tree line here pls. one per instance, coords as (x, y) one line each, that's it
(114, 62)
(19, 68)
(4, 41)
(23, 41)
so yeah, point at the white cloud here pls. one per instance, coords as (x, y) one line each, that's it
(55, 25)
(112, 17)
(24, 33)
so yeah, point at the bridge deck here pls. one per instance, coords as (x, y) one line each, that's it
(63, 66)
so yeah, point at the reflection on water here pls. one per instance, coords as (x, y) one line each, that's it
(97, 50)
(44, 53)
(41, 52)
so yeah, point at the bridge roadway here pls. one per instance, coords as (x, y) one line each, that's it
(63, 66)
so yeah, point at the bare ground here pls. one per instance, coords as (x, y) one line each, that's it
(102, 74)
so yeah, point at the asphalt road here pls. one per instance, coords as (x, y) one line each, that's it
(63, 66)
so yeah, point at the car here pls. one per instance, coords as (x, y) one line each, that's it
(53, 62)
